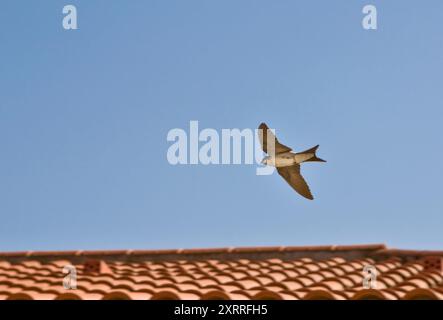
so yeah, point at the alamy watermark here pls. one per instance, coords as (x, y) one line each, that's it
(369, 21)
(70, 19)
(208, 146)
(70, 280)
(369, 277)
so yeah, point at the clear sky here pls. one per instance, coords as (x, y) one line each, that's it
(84, 116)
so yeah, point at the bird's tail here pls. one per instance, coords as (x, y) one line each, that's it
(312, 151)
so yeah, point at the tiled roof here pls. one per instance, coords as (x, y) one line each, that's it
(322, 272)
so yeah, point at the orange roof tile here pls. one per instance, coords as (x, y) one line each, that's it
(321, 272)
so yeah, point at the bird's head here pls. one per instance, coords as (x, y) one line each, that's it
(265, 160)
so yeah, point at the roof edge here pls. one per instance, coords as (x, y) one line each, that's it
(404, 252)
(195, 251)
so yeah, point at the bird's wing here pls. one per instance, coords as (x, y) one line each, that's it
(294, 178)
(265, 135)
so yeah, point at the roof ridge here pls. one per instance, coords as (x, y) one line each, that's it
(406, 252)
(135, 252)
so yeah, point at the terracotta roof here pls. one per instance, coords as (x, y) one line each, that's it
(321, 272)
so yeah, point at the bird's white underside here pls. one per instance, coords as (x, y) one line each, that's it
(288, 159)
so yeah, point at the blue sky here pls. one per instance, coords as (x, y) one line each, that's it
(84, 116)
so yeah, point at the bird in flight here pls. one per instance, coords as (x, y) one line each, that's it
(287, 162)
